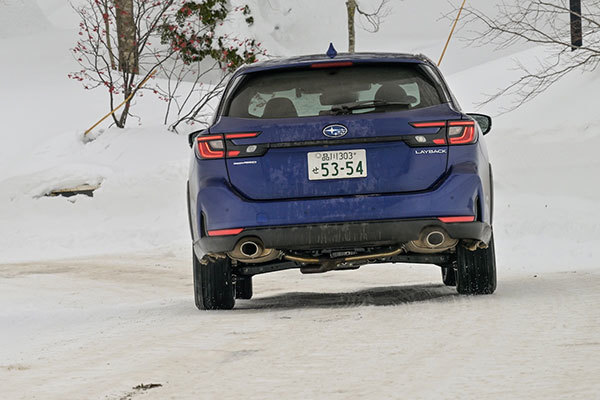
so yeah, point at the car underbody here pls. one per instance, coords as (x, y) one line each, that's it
(327, 247)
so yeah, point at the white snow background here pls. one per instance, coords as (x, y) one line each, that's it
(544, 154)
(126, 289)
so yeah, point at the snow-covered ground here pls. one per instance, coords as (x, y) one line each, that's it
(377, 333)
(95, 293)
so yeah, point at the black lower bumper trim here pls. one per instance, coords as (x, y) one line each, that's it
(343, 235)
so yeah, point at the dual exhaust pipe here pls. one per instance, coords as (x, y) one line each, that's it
(431, 240)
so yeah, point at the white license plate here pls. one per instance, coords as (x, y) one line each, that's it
(341, 164)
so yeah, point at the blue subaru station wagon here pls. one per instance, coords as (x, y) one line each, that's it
(326, 163)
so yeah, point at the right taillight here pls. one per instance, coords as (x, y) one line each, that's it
(462, 132)
(457, 132)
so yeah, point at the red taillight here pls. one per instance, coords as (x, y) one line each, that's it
(211, 147)
(241, 135)
(449, 220)
(225, 232)
(440, 124)
(461, 132)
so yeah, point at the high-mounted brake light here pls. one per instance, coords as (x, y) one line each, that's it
(461, 132)
(334, 64)
(217, 146)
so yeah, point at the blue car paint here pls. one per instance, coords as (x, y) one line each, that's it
(455, 184)
(224, 209)
(282, 173)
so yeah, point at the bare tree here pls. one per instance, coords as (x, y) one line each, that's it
(171, 37)
(132, 26)
(544, 23)
(186, 91)
(371, 21)
(201, 51)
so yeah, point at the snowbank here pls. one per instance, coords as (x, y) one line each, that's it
(140, 205)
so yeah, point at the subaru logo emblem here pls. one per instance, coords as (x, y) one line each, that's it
(335, 131)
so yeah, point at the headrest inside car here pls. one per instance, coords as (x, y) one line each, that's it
(333, 98)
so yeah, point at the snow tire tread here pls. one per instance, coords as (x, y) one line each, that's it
(476, 270)
(214, 288)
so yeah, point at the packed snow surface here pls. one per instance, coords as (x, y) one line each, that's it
(95, 328)
(96, 292)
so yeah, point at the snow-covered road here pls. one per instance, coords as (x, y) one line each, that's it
(96, 328)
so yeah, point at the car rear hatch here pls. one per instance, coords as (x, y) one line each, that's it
(326, 153)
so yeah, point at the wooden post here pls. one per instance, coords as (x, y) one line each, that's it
(451, 33)
(124, 101)
(351, 7)
(576, 28)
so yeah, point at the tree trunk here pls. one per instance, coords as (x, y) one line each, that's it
(126, 33)
(124, 115)
(351, 8)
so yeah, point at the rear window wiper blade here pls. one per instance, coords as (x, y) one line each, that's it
(360, 105)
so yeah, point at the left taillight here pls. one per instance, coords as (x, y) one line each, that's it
(213, 147)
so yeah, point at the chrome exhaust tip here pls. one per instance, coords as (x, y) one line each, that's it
(435, 239)
(250, 249)
(432, 239)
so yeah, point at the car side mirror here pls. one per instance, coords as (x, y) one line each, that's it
(194, 135)
(484, 121)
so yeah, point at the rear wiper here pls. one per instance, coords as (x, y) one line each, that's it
(347, 108)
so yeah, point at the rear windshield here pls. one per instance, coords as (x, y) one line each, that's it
(327, 91)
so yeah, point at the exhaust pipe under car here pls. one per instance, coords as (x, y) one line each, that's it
(431, 240)
(435, 239)
(252, 250)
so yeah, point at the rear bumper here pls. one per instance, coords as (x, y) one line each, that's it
(337, 235)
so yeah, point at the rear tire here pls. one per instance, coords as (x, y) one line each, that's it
(449, 276)
(243, 287)
(476, 272)
(213, 283)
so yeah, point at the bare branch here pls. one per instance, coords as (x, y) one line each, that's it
(543, 23)
(373, 19)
